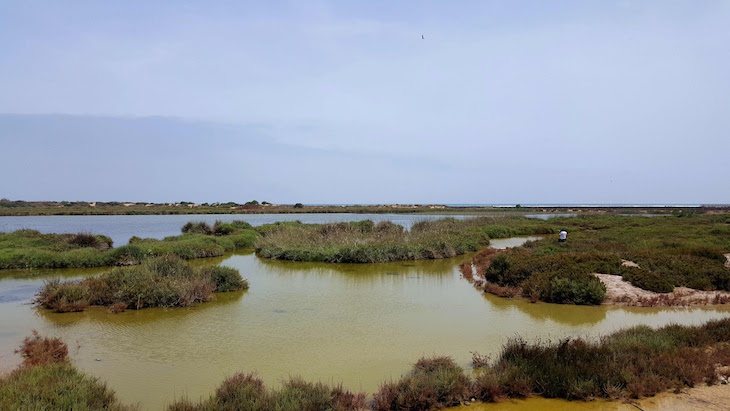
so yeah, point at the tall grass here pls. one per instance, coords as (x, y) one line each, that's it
(165, 281)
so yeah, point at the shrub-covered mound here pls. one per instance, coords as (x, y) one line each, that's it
(47, 381)
(31, 249)
(366, 242)
(165, 281)
(246, 392)
(670, 251)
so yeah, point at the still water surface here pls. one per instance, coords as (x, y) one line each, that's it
(355, 324)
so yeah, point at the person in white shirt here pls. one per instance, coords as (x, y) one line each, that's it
(562, 236)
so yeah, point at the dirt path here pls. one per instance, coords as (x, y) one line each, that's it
(714, 397)
(620, 292)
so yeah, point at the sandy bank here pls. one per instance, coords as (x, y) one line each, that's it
(620, 292)
(712, 398)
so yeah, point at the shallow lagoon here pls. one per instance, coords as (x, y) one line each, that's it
(355, 324)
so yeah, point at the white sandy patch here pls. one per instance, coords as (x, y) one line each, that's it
(714, 397)
(622, 292)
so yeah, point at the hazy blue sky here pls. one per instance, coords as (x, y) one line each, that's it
(343, 102)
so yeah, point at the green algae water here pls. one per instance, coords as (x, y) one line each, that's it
(354, 324)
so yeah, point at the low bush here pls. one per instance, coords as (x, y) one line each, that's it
(635, 362)
(246, 392)
(37, 350)
(434, 382)
(647, 280)
(198, 227)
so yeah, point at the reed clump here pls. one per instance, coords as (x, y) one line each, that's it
(46, 380)
(246, 392)
(366, 242)
(165, 281)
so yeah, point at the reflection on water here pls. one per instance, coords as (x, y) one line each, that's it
(543, 312)
(355, 324)
(146, 317)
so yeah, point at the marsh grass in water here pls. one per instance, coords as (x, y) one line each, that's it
(366, 242)
(165, 281)
(31, 249)
(46, 380)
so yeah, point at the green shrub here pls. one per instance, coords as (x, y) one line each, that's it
(647, 280)
(221, 228)
(435, 382)
(126, 255)
(246, 392)
(225, 279)
(199, 227)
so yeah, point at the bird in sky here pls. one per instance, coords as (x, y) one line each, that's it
(422, 38)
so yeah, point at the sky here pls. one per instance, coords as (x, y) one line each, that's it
(367, 102)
